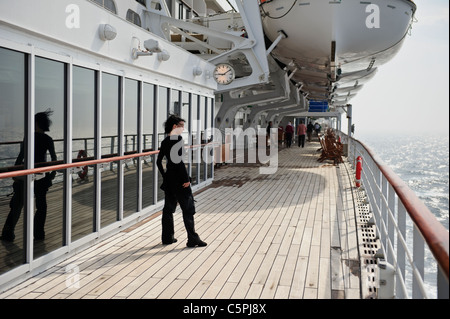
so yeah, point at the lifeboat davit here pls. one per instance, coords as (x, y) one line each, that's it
(331, 45)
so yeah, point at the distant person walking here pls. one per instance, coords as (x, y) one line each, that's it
(289, 133)
(317, 128)
(301, 132)
(309, 131)
(176, 184)
(268, 131)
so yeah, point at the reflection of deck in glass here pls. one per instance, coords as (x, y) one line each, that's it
(83, 206)
(83, 202)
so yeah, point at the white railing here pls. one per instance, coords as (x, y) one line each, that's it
(413, 241)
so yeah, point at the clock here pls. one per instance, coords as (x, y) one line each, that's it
(224, 73)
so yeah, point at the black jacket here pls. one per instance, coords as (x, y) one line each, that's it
(175, 175)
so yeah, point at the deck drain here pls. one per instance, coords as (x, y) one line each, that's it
(368, 245)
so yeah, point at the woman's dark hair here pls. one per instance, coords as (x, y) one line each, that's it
(42, 119)
(171, 121)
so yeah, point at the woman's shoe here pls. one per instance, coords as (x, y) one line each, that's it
(170, 242)
(7, 237)
(198, 243)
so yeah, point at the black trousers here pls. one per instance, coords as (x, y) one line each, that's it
(16, 204)
(288, 139)
(301, 140)
(184, 197)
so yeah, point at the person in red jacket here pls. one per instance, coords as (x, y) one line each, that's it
(301, 132)
(289, 133)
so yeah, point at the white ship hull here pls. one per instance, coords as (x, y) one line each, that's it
(327, 40)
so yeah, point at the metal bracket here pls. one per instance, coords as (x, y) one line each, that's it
(386, 280)
(253, 46)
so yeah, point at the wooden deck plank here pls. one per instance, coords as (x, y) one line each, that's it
(286, 235)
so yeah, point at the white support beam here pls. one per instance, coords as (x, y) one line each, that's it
(252, 46)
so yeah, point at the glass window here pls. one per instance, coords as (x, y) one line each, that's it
(141, 2)
(50, 97)
(180, 11)
(12, 132)
(163, 103)
(202, 123)
(148, 117)
(107, 4)
(175, 107)
(133, 17)
(162, 112)
(148, 167)
(110, 148)
(209, 134)
(195, 138)
(83, 146)
(169, 6)
(185, 109)
(131, 106)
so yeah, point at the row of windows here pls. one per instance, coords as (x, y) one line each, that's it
(121, 122)
(132, 16)
(181, 10)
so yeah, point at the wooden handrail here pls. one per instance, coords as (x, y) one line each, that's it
(433, 232)
(84, 163)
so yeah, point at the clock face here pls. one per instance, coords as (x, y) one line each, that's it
(224, 74)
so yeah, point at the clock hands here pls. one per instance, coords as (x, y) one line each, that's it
(223, 73)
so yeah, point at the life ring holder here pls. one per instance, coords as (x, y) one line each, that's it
(83, 173)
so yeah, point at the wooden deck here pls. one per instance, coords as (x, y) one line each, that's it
(291, 234)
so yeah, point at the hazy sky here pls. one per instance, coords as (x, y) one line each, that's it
(410, 93)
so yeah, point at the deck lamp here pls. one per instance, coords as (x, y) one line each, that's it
(197, 71)
(107, 32)
(164, 55)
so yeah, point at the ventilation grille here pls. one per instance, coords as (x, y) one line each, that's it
(368, 245)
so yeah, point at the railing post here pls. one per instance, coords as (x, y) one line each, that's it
(401, 254)
(391, 211)
(419, 261)
(442, 284)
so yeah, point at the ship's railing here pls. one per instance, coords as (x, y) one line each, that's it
(407, 229)
(52, 166)
(109, 150)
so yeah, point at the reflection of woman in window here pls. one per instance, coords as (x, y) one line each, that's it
(43, 143)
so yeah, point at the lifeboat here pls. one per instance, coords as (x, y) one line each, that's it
(330, 47)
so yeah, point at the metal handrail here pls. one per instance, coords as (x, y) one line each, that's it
(427, 229)
(86, 163)
(434, 233)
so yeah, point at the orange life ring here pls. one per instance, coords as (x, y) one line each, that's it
(83, 173)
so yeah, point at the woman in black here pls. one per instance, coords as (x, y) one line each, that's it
(176, 184)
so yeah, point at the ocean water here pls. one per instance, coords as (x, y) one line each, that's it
(422, 161)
